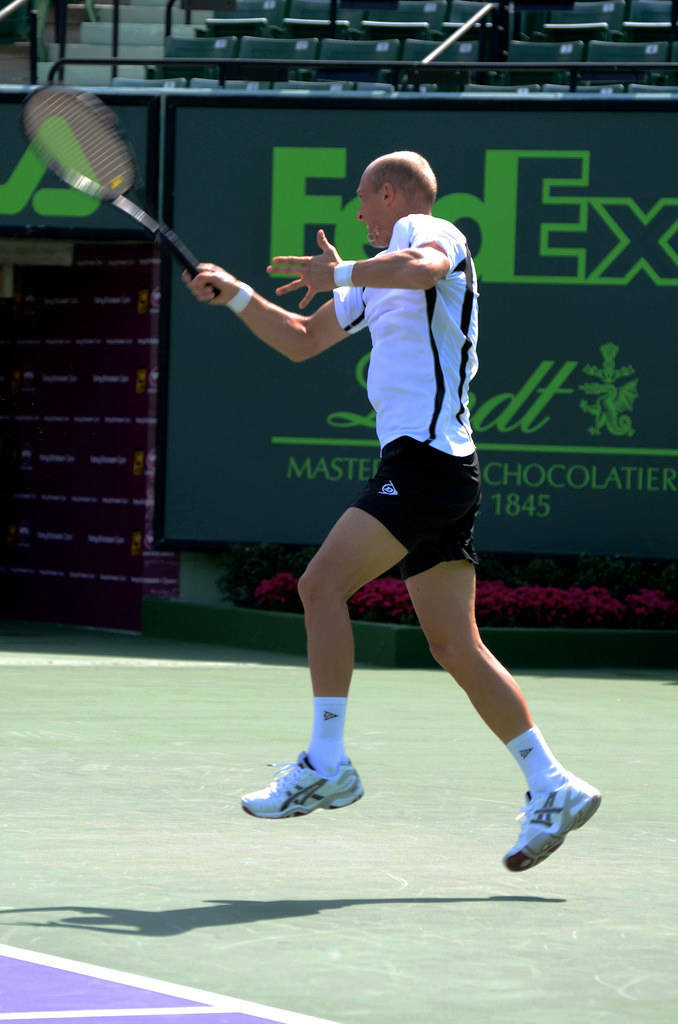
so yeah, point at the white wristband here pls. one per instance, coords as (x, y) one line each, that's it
(241, 298)
(343, 272)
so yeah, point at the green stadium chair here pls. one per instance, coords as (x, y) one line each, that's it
(312, 18)
(413, 19)
(601, 90)
(150, 83)
(586, 21)
(648, 20)
(459, 13)
(206, 47)
(262, 48)
(430, 76)
(512, 90)
(520, 50)
(638, 88)
(80, 75)
(417, 49)
(359, 50)
(374, 88)
(249, 17)
(316, 86)
(238, 85)
(602, 51)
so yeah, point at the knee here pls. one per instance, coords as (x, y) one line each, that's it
(457, 655)
(316, 587)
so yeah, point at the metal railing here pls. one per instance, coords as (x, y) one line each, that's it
(409, 75)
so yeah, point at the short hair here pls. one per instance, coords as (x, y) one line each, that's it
(409, 172)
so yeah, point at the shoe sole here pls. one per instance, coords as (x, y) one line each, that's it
(529, 857)
(299, 813)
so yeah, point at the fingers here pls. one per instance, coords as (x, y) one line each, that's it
(291, 286)
(288, 264)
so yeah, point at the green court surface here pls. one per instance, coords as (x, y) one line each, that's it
(123, 843)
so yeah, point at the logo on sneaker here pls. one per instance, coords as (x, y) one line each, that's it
(542, 815)
(524, 753)
(302, 794)
(388, 488)
(329, 714)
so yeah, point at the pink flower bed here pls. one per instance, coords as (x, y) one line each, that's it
(387, 600)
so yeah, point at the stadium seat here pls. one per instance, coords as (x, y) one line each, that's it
(206, 47)
(600, 50)
(648, 20)
(459, 13)
(262, 48)
(654, 90)
(312, 18)
(231, 85)
(432, 76)
(604, 90)
(80, 74)
(150, 83)
(317, 86)
(586, 21)
(249, 17)
(417, 49)
(520, 50)
(512, 90)
(359, 50)
(415, 19)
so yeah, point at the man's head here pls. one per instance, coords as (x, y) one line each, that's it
(391, 187)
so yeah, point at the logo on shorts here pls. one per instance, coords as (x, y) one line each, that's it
(388, 488)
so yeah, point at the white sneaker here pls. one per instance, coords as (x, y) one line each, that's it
(547, 818)
(298, 789)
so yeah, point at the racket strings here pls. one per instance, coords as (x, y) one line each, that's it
(80, 141)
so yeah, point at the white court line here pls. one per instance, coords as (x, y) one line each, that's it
(153, 1011)
(213, 1000)
(93, 661)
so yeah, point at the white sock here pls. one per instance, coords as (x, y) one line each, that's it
(326, 748)
(536, 760)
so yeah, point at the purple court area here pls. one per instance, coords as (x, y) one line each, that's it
(27, 988)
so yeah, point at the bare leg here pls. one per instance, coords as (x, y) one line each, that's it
(444, 600)
(357, 549)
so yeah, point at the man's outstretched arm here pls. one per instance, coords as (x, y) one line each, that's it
(295, 336)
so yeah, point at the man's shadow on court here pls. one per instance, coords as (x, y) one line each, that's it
(219, 913)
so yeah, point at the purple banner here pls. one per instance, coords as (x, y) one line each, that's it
(79, 361)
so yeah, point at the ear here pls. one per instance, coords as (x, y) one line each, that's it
(388, 193)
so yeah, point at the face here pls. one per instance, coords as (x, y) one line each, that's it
(375, 212)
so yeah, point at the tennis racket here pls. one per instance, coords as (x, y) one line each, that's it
(80, 140)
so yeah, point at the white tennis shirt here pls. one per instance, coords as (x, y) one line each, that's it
(423, 342)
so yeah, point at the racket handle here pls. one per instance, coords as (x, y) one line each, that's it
(182, 253)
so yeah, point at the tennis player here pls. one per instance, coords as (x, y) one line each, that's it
(418, 297)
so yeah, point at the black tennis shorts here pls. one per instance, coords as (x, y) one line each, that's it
(428, 500)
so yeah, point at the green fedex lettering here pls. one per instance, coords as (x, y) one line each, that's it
(16, 192)
(293, 207)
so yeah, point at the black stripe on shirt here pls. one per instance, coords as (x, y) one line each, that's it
(431, 295)
(466, 310)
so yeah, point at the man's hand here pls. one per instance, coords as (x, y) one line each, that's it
(316, 273)
(213, 284)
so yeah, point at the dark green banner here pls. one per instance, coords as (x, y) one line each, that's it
(575, 233)
(32, 197)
